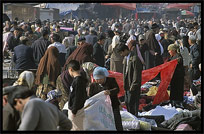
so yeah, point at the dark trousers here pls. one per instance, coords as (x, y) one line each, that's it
(132, 101)
(194, 75)
(177, 89)
(117, 118)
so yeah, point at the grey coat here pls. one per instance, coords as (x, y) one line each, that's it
(40, 115)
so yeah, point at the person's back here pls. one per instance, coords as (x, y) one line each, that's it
(12, 42)
(23, 57)
(40, 115)
(91, 38)
(40, 46)
(77, 96)
(70, 49)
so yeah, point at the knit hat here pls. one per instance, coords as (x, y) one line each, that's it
(173, 47)
(100, 73)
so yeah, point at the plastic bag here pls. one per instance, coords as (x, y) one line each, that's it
(98, 113)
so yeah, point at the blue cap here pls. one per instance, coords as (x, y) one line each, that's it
(100, 73)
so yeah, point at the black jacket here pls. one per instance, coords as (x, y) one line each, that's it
(78, 94)
(195, 61)
(70, 50)
(109, 84)
(23, 57)
(13, 42)
(98, 54)
(39, 47)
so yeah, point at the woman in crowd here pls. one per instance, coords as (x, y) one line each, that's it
(81, 54)
(177, 81)
(110, 85)
(26, 78)
(116, 60)
(47, 72)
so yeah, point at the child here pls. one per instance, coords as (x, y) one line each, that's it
(77, 95)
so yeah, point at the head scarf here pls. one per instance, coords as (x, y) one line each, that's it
(132, 45)
(49, 65)
(26, 78)
(100, 73)
(89, 66)
(81, 54)
(68, 41)
(115, 41)
(173, 47)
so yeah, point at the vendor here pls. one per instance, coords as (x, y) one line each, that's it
(177, 81)
(110, 85)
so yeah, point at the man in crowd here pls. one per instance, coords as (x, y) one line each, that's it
(195, 61)
(14, 40)
(132, 75)
(23, 56)
(40, 46)
(91, 38)
(98, 52)
(36, 113)
(60, 33)
(155, 57)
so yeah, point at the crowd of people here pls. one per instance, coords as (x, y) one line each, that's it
(56, 66)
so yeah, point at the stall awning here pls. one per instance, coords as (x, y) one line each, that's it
(130, 6)
(180, 6)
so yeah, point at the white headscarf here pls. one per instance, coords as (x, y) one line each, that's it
(68, 41)
(115, 41)
(25, 78)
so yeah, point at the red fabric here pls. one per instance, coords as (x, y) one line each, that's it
(166, 70)
(130, 6)
(180, 6)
